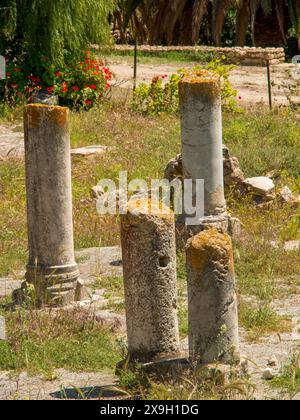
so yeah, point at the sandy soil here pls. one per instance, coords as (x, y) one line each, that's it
(250, 82)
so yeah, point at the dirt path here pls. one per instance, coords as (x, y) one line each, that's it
(11, 142)
(250, 82)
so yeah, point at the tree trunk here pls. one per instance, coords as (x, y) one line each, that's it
(242, 23)
(280, 16)
(168, 14)
(199, 11)
(185, 28)
(219, 14)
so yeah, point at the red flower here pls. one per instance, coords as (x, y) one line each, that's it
(64, 87)
(75, 88)
(58, 74)
(34, 79)
(93, 87)
(50, 89)
(88, 102)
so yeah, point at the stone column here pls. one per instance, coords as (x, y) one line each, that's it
(201, 126)
(213, 316)
(149, 262)
(51, 267)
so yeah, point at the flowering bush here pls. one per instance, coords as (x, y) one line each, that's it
(158, 97)
(78, 86)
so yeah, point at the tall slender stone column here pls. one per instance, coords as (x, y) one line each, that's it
(212, 301)
(149, 262)
(201, 126)
(51, 268)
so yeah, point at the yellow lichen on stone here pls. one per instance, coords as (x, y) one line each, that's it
(210, 245)
(35, 114)
(201, 77)
(201, 82)
(147, 206)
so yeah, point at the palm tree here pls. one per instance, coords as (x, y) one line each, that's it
(179, 21)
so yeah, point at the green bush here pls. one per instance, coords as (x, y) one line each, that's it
(158, 96)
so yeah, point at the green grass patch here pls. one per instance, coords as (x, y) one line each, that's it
(262, 320)
(40, 342)
(159, 58)
(289, 379)
(262, 140)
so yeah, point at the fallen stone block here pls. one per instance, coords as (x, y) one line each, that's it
(261, 185)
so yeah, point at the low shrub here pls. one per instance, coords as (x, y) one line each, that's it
(160, 96)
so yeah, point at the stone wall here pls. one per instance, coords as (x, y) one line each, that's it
(244, 56)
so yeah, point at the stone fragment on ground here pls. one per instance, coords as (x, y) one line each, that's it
(268, 374)
(12, 145)
(288, 246)
(89, 150)
(286, 196)
(261, 185)
(233, 175)
(8, 285)
(97, 192)
(11, 142)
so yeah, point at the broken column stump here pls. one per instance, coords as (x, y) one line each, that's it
(149, 263)
(212, 300)
(51, 268)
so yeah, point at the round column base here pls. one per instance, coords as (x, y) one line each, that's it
(54, 286)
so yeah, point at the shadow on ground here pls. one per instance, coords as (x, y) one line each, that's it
(87, 393)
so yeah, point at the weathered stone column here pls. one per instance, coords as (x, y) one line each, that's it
(149, 262)
(213, 317)
(201, 126)
(51, 267)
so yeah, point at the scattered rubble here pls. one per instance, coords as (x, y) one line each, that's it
(262, 188)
